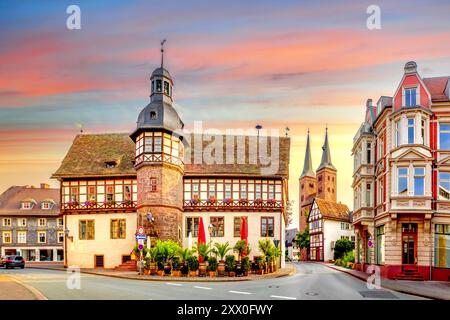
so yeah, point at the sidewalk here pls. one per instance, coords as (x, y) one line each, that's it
(439, 290)
(12, 289)
(283, 272)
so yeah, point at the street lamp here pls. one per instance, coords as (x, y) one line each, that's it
(210, 229)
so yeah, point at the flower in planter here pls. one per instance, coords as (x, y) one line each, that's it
(73, 204)
(258, 201)
(243, 201)
(195, 199)
(212, 200)
(228, 200)
(127, 203)
(271, 201)
(110, 202)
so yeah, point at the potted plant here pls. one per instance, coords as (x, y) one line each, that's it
(221, 251)
(259, 265)
(228, 201)
(212, 266)
(245, 265)
(203, 250)
(184, 255)
(150, 261)
(230, 262)
(272, 201)
(241, 248)
(258, 201)
(176, 265)
(193, 266)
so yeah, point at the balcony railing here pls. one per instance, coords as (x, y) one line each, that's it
(250, 205)
(94, 205)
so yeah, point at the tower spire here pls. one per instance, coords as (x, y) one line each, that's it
(162, 52)
(307, 166)
(326, 155)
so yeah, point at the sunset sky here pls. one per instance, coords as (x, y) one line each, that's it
(301, 64)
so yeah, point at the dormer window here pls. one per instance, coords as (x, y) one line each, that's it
(28, 204)
(110, 164)
(410, 97)
(47, 204)
(153, 115)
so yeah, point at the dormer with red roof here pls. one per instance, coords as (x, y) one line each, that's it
(412, 91)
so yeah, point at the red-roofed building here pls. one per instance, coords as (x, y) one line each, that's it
(401, 181)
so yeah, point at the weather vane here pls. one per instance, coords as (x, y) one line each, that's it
(162, 52)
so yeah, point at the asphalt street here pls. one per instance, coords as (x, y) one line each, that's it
(311, 282)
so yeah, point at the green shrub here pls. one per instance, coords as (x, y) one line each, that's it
(212, 264)
(341, 247)
(245, 263)
(192, 263)
(230, 262)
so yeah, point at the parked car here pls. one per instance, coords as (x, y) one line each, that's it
(12, 262)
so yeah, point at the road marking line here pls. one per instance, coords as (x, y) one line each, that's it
(239, 292)
(173, 284)
(283, 297)
(205, 288)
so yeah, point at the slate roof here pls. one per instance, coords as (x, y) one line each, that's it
(290, 235)
(89, 153)
(11, 201)
(333, 211)
(307, 165)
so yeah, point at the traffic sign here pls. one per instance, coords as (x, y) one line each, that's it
(140, 237)
(141, 247)
(140, 230)
(370, 243)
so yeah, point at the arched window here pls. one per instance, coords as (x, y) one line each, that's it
(153, 115)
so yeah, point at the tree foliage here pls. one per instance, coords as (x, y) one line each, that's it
(341, 247)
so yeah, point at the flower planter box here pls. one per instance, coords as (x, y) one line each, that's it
(221, 269)
(192, 273)
(176, 273)
(160, 273)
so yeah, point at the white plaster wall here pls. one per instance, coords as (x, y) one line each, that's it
(81, 252)
(332, 232)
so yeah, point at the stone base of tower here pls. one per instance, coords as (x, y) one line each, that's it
(166, 225)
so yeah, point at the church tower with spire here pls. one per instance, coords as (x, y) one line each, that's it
(326, 174)
(308, 185)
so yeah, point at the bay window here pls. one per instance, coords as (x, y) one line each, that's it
(419, 181)
(369, 153)
(444, 136)
(368, 195)
(398, 135)
(444, 185)
(411, 125)
(402, 179)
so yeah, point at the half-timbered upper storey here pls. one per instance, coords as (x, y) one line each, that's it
(98, 173)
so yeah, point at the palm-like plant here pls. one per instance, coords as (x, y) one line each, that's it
(265, 246)
(204, 250)
(222, 249)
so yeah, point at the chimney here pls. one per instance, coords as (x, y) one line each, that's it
(410, 67)
(45, 186)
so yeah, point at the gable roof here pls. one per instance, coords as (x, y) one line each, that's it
(438, 88)
(332, 210)
(11, 200)
(89, 153)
